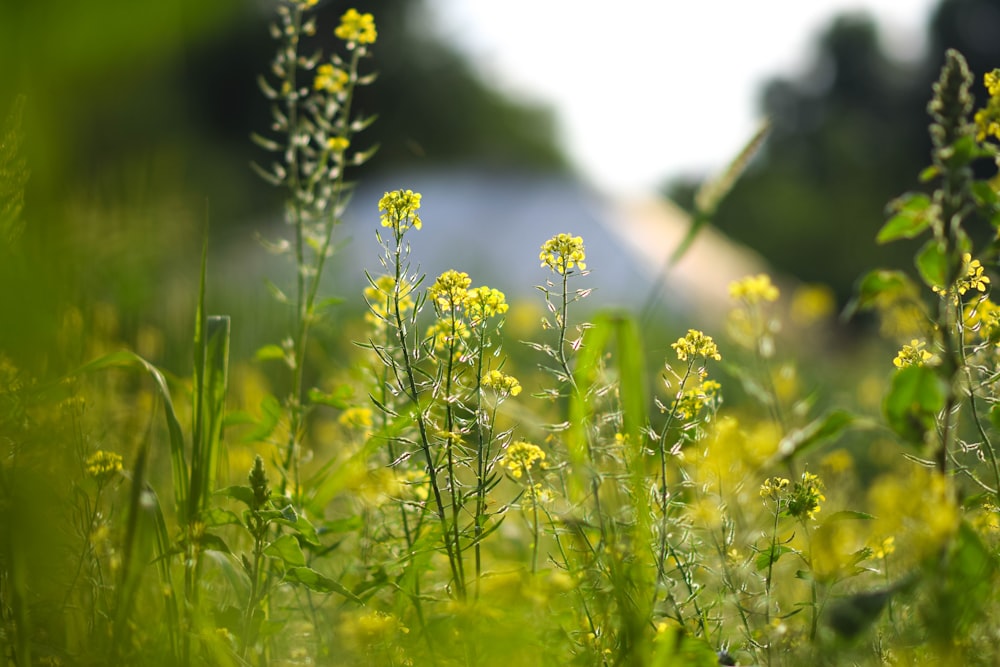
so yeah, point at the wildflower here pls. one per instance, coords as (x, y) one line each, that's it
(692, 401)
(330, 79)
(102, 465)
(754, 289)
(400, 210)
(502, 383)
(450, 289)
(987, 119)
(913, 354)
(696, 344)
(337, 144)
(806, 496)
(356, 417)
(483, 302)
(356, 27)
(884, 547)
(520, 456)
(974, 278)
(562, 252)
(774, 488)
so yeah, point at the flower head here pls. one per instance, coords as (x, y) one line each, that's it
(450, 289)
(484, 302)
(692, 401)
(806, 496)
(774, 488)
(399, 209)
(913, 354)
(520, 456)
(502, 383)
(356, 27)
(102, 465)
(562, 252)
(696, 344)
(337, 144)
(754, 289)
(330, 79)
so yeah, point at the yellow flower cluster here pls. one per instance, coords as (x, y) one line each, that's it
(694, 400)
(330, 79)
(520, 456)
(913, 354)
(102, 465)
(806, 496)
(356, 27)
(356, 417)
(774, 488)
(483, 302)
(696, 344)
(447, 332)
(754, 289)
(987, 119)
(974, 278)
(450, 289)
(562, 252)
(502, 383)
(400, 210)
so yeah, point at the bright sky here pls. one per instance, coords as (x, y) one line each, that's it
(648, 89)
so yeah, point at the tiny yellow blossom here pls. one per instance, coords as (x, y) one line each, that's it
(806, 496)
(102, 465)
(330, 79)
(356, 417)
(562, 252)
(484, 302)
(337, 144)
(400, 210)
(913, 354)
(974, 278)
(520, 456)
(754, 289)
(356, 27)
(450, 289)
(692, 401)
(447, 333)
(774, 488)
(696, 344)
(502, 383)
(884, 547)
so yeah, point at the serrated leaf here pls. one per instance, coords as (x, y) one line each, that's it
(286, 549)
(315, 581)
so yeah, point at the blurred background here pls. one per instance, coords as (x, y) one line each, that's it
(516, 120)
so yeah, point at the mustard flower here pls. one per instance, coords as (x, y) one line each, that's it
(884, 547)
(913, 354)
(450, 289)
(974, 278)
(520, 456)
(696, 344)
(987, 119)
(102, 465)
(337, 144)
(330, 79)
(774, 488)
(692, 401)
(483, 302)
(356, 417)
(400, 210)
(380, 296)
(502, 383)
(356, 27)
(806, 496)
(754, 289)
(562, 252)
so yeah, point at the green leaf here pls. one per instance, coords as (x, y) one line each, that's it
(269, 352)
(315, 581)
(244, 494)
(767, 558)
(216, 516)
(816, 432)
(914, 400)
(286, 549)
(881, 284)
(339, 398)
(848, 515)
(913, 215)
(932, 263)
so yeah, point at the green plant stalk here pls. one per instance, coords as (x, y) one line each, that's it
(481, 458)
(414, 395)
(453, 482)
(533, 492)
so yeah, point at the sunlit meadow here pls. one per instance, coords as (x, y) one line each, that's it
(460, 495)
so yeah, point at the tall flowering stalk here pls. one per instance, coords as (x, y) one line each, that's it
(314, 126)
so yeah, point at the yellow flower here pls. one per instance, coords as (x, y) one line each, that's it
(356, 27)
(337, 144)
(754, 289)
(774, 488)
(913, 354)
(696, 344)
(400, 210)
(806, 496)
(450, 289)
(520, 456)
(483, 302)
(992, 82)
(974, 278)
(502, 383)
(692, 401)
(884, 547)
(330, 79)
(356, 417)
(102, 465)
(447, 333)
(562, 252)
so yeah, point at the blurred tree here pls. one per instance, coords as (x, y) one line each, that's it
(848, 136)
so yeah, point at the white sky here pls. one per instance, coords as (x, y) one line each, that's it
(648, 89)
